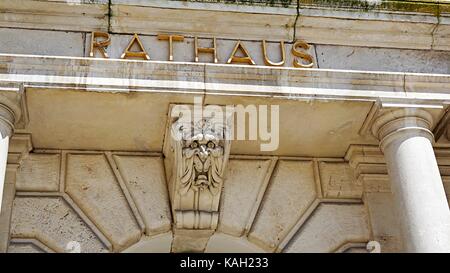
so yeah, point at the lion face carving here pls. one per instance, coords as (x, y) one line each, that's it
(202, 151)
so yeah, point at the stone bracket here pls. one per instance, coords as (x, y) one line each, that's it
(196, 149)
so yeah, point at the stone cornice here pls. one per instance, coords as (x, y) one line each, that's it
(413, 27)
(55, 15)
(370, 167)
(19, 147)
(396, 24)
(423, 6)
(108, 75)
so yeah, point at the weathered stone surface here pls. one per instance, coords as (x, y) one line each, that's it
(290, 192)
(24, 248)
(41, 42)
(337, 180)
(356, 249)
(53, 222)
(91, 183)
(7, 202)
(383, 59)
(329, 227)
(145, 180)
(222, 243)
(151, 20)
(384, 221)
(142, 118)
(33, 245)
(185, 240)
(4, 240)
(66, 15)
(39, 172)
(244, 182)
(156, 244)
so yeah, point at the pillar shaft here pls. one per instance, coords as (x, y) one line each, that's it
(422, 207)
(7, 119)
(4, 143)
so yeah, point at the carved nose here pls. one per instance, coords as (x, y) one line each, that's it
(203, 153)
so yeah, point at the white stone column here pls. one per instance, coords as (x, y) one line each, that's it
(422, 207)
(7, 119)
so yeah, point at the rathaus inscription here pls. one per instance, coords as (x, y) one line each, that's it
(239, 55)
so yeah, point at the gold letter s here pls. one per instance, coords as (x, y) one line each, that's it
(302, 55)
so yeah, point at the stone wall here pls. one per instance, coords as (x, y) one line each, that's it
(112, 201)
(75, 44)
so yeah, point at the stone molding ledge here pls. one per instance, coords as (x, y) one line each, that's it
(409, 24)
(370, 169)
(105, 75)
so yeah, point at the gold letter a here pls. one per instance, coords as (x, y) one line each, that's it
(245, 59)
(136, 54)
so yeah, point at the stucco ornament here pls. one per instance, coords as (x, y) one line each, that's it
(202, 146)
(202, 156)
(199, 150)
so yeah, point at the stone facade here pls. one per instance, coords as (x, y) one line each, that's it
(94, 159)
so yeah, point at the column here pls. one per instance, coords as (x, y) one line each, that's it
(7, 119)
(422, 208)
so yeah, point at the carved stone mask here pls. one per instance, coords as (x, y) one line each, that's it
(202, 154)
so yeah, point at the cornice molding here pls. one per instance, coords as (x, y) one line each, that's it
(414, 29)
(409, 25)
(19, 147)
(108, 75)
(55, 15)
(370, 168)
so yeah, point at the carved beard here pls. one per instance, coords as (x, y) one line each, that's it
(202, 167)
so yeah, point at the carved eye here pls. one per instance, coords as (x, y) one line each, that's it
(194, 144)
(211, 145)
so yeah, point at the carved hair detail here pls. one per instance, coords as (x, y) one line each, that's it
(202, 155)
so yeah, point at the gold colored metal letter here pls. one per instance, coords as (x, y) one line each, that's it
(136, 54)
(296, 52)
(212, 50)
(266, 58)
(171, 38)
(235, 59)
(99, 45)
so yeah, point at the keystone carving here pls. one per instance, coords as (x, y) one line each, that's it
(200, 148)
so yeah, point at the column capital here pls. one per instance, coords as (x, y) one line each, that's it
(400, 123)
(7, 120)
(10, 112)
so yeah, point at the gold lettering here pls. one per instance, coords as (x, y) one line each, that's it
(266, 58)
(236, 59)
(135, 54)
(171, 38)
(212, 50)
(296, 47)
(99, 45)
